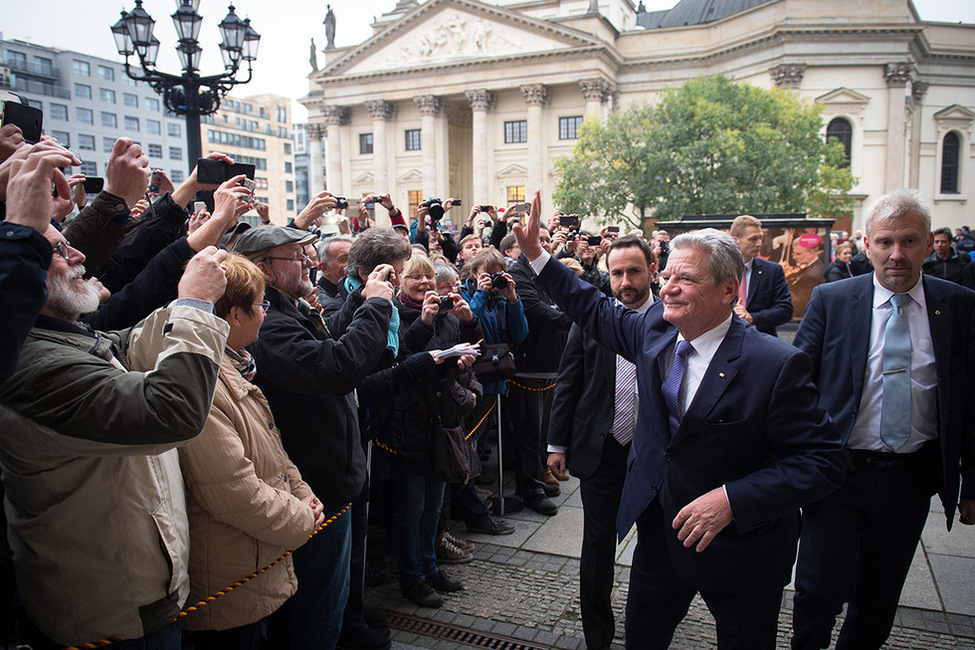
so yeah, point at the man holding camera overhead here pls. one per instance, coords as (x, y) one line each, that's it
(308, 373)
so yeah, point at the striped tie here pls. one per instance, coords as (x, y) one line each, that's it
(624, 417)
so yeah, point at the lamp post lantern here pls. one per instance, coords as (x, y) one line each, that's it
(188, 94)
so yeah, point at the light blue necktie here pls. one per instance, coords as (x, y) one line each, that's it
(671, 386)
(895, 417)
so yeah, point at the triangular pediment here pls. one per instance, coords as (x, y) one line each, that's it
(411, 176)
(955, 112)
(513, 171)
(456, 32)
(364, 179)
(843, 96)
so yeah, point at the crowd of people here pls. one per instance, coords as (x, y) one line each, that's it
(188, 403)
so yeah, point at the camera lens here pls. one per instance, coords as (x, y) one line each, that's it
(341, 203)
(498, 281)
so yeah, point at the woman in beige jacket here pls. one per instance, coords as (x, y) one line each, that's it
(246, 501)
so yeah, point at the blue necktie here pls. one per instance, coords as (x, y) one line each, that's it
(895, 416)
(671, 386)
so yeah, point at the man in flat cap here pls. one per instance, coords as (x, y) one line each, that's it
(308, 370)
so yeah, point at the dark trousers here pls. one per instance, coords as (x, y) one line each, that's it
(312, 618)
(529, 408)
(352, 620)
(857, 545)
(659, 598)
(601, 494)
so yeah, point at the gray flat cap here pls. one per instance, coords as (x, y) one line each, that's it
(257, 240)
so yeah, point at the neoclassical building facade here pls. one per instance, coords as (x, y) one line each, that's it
(476, 100)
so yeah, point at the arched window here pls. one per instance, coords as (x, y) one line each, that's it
(840, 130)
(949, 163)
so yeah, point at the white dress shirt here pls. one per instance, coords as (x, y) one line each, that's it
(698, 361)
(924, 377)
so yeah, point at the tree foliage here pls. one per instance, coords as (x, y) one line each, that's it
(710, 147)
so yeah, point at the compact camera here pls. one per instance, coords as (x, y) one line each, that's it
(446, 303)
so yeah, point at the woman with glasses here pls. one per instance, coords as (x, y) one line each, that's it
(404, 401)
(246, 501)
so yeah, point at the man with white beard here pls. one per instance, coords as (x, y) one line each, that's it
(89, 422)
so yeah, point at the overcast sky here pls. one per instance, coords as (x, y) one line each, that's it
(286, 27)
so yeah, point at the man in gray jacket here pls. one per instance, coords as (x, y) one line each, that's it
(89, 422)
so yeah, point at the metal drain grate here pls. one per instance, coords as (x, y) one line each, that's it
(458, 634)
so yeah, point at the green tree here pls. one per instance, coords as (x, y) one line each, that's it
(710, 147)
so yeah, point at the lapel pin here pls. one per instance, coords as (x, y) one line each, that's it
(721, 374)
(937, 312)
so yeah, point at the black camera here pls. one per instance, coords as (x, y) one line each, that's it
(341, 203)
(498, 281)
(446, 303)
(484, 208)
(664, 246)
(434, 208)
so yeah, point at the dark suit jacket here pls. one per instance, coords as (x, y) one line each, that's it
(768, 299)
(835, 334)
(755, 426)
(584, 401)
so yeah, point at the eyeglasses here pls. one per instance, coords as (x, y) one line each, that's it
(420, 277)
(264, 305)
(64, 250)
(304, 259)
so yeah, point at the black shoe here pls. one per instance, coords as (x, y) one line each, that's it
(443, 584)
(376, 572)
(365, 638)
(537, 502)
(491, 526)
(375, 618)
(423, 594)
(551, 490)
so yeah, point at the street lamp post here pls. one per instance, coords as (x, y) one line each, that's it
(189, 94)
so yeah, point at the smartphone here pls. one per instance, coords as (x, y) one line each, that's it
(613, 229)
(28, 118)
(155, 181)
(214, 172)
(455, 202)
(519, 207)
(569, 221)
(94, 184)
(594, 241)
(199, 206)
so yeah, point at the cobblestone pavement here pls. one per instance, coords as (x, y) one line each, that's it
(530, 597)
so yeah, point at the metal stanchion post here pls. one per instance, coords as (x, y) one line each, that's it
(500, 462)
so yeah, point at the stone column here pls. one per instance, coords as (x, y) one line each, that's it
(316, 169)
(430, 107)
(595, 91)
(536, 96)
(335, 118)
(897, 76)
(481, 101)
(381, 111)
(918, 90)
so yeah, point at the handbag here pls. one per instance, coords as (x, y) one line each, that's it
(495, 364)
(451, 454)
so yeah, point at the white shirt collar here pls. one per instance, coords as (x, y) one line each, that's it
(881, 294)
(708, 343)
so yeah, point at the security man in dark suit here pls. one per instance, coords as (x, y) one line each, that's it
(730, 441)
(763, 295)
(592, 424)
(893, 353)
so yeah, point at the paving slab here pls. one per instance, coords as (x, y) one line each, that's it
(564, 539)
(920, 589)
(954, 577)
(936, 538)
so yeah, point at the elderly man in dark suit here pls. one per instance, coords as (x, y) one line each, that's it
(593, 422)
(730, 441)
(894, 354)
(763, 295)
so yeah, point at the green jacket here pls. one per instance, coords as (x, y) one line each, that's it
(96, 513)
